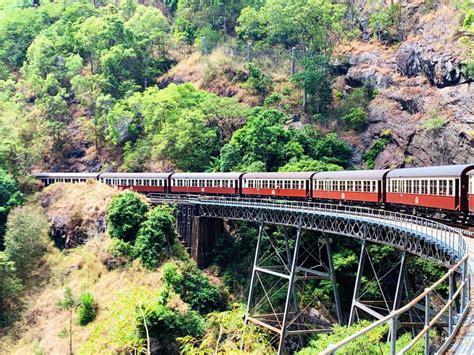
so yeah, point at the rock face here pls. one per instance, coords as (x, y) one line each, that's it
(76, 212)
(441, 70)
(424, 102)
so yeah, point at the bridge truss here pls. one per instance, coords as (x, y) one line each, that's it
(275, 272)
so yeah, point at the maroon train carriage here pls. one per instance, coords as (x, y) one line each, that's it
(355, 185)
(470, 195)
(51, 178)
(141, 182)
(437, 187)
(209, 183)
(277, 184)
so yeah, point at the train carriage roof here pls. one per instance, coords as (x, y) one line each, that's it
(280, 176)
(135, 175)
(432, 171)
(66, 175)
(352, 175)
(207, 176)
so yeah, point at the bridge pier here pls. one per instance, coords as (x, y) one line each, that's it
(282, 266)
(390, 302)
(197, 233)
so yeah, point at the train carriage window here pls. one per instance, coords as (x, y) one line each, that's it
(366, 186)
(451, 187)
(433, 187)
(358, 186)
(443, 187)
(416, 186)
(350, 186)
(424, 187)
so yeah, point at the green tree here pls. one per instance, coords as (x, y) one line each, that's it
(194, 287)
(125, 214)
(315, 79)
(150, 30)
(385, 23)
(156, 234)
(97, 33)
(188, 142)
(10, 285)
(26, 238)
(86, 308)
(119, 69)
(9, 198)
(308, 164)
(371, 343)
(228, 334)
(313, 24)
(68, 303)
(17, 31)
(265, 144)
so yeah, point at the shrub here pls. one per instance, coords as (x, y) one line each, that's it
(121, 249)
(155, 234)
(26, 238)
(194, 287)
(86, 309)
(385, 23)
(257, 81)
(372, 342)
(9, 198)
(165, 325)
(356, 118)
(226, 333)
(377, 147)
(433, 123)
(10, 285)
(125, 213)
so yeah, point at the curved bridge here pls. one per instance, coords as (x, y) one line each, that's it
(419, 236)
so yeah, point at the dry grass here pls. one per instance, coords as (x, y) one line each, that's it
(90, 199)
(81, 270)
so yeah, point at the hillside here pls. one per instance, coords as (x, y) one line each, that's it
(192, 85)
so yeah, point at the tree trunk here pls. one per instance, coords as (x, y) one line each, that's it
(70, 331)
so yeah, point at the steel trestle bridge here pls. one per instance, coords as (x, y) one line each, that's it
(407, 233)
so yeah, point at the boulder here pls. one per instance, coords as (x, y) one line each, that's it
(408, 60)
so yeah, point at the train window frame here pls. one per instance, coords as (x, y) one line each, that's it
(366, 186)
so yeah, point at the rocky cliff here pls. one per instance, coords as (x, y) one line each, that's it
(425, 100)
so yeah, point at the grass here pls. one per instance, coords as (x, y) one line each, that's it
(118, 293)
(40, 328)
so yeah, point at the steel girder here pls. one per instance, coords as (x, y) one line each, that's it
(349, 226)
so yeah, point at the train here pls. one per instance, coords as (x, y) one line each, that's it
(440, 191)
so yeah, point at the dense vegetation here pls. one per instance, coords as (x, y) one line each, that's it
(88, 85)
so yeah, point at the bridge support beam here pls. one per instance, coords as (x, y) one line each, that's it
(198, 234)
(389, 302)
(282, 265)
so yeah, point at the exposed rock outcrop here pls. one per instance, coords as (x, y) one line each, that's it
(424, 102)
(76, 212)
